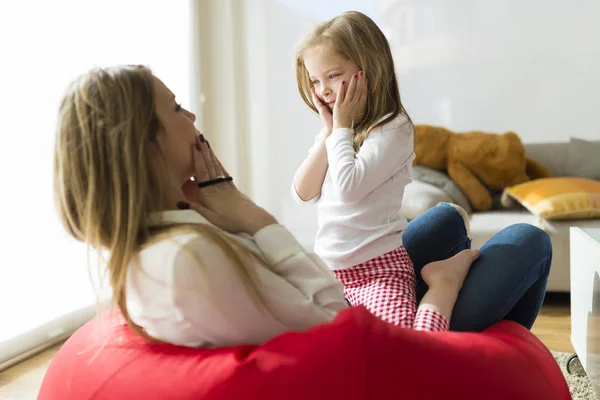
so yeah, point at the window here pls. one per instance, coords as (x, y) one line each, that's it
(45, 45)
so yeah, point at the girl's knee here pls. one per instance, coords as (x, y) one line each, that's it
(455, 208)
(533, 238)
(535, 235)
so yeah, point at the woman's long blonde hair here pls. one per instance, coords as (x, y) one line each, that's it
(356, 37)
(105, 175)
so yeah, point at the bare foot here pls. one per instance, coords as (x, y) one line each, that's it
(450, 273)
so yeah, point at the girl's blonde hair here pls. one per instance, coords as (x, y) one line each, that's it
(106, 182)
(356, 37)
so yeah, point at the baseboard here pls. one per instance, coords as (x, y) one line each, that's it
(29, 344)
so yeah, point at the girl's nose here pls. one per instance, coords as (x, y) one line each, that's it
(325, 91)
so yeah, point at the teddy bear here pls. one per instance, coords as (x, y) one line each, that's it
(480, 163)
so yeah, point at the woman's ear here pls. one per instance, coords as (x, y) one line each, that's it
(155, 126)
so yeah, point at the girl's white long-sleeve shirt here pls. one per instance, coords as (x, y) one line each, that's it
(186, 291)
(358, 208)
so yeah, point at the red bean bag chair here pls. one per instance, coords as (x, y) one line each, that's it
(357, 356)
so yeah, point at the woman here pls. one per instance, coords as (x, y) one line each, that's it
(194, 262)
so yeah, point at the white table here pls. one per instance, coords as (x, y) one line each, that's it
(585, 299)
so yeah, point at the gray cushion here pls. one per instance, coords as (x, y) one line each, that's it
(443, 182)
(583, 159)
(420, 197)
(551, 155)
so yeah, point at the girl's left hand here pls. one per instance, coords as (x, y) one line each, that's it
(350, 102)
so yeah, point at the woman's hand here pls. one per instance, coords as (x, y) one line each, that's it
(324, 113)
(350, 102)
(222, 203)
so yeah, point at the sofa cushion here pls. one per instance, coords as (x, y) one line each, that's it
(551, 155)
(442, 181)
(583, 159)
(559, 198)
(420, 197)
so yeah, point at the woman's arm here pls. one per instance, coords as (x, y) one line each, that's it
(211, 298)
(296, 289)
(308, 179)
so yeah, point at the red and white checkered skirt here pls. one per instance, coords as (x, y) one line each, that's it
(385, 285)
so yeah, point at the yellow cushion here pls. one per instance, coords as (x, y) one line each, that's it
(559, 198)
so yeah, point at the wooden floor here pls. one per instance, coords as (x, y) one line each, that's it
(552, 327)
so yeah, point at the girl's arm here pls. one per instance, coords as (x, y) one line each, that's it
(386, 151)
(309, 178)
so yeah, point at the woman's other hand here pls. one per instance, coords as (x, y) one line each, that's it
(220, 202)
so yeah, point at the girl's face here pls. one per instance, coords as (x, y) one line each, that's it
(327, 69)
(177, 133)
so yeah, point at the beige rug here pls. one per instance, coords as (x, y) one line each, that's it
(579, 384)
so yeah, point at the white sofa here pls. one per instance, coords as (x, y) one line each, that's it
(484, 225)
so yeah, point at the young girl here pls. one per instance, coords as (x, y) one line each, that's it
(357, 170)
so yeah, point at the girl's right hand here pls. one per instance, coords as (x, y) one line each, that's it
(221, 204)
(324, 113)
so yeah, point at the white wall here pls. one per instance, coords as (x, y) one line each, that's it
(529, 66)
(532, 67)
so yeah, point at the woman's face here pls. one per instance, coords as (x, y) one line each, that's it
(177, 133)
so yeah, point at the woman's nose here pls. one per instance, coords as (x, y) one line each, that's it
(191, 116)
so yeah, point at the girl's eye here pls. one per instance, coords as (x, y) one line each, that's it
(315, 82)
(177, 107)
(333, 76)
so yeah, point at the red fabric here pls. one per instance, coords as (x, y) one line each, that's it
(357, 356)
(385, 285)
(430, 320)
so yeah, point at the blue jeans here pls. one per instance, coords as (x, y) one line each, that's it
(507, 281)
